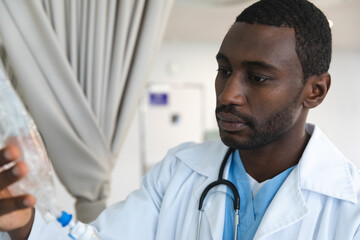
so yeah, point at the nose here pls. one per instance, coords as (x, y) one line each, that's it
(231, 91)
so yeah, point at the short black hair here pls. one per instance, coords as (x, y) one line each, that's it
(312, 30)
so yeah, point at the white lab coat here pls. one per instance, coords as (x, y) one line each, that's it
(318, 200)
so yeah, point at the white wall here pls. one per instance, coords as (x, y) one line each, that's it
(192, 63)
(338, 116)
(176, 62)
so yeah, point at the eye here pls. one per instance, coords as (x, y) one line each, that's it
(224, 71)
(257, 78)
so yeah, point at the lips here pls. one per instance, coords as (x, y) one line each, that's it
(230, 123)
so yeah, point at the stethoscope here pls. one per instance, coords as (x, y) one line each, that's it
(229, 184)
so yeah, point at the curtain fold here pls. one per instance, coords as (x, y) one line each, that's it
(80, 66)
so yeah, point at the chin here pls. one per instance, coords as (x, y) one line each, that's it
(232, 140)
(241, 142)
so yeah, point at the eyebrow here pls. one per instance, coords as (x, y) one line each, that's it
(221, 56)
(259, 64)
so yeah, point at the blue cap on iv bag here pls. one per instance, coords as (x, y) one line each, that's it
(64, 219)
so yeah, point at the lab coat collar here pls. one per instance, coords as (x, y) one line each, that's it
(204, 158)
(324, 169)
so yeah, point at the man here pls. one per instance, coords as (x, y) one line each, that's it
(292, 182)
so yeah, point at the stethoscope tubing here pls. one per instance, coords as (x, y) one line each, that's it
(236, 202)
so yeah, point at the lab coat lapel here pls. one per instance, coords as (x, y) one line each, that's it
(206, 160)
(214, 211)
(287, 207)
(322, 169)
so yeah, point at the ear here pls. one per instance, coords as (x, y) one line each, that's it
(317, 88)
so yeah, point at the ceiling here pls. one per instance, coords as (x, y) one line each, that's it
(205, 21)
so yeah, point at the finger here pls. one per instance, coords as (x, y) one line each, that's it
(8, 205)
(8, 154)
(13, 174)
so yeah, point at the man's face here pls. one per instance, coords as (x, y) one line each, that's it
(258, 85)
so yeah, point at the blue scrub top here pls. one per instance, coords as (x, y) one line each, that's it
(251, 210)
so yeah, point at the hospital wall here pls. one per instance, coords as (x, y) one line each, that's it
(193, 64)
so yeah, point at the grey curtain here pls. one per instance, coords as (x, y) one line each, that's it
(80, 66)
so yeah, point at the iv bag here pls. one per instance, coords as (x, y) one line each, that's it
(18, 128)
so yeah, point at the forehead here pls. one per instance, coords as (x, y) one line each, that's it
(255, 42)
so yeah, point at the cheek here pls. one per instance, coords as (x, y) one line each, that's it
(219, 86)
(265, 103)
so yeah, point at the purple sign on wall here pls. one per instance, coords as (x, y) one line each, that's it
(158, 99)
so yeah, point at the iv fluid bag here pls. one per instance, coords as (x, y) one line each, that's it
(18, 128)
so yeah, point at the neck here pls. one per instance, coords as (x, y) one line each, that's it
(270, 160)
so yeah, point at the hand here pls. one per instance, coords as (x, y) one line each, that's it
(16, 213)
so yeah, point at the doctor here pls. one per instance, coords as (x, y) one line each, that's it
(292, 182)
